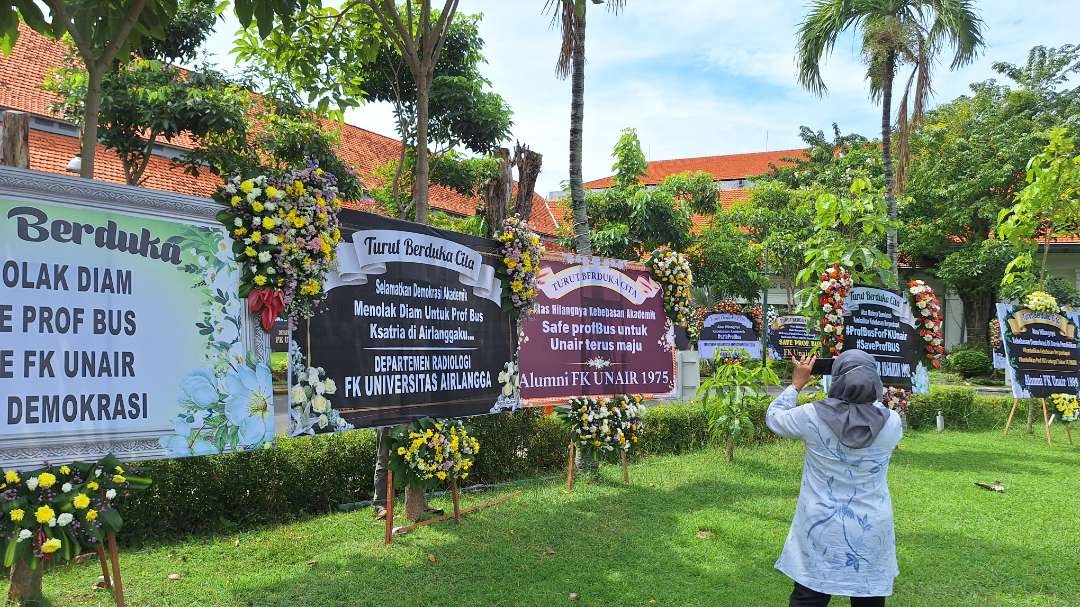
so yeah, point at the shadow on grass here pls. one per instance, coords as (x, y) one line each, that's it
(627, 545)
(1032, 457)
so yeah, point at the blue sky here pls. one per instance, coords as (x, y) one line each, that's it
(698, 77)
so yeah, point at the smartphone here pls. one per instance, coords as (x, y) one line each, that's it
(822, 366)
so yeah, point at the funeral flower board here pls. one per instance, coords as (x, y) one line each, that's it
(1042, 350)
(728, 333)
(881, 323)
(122, 327)
(598, 328)
(413, 325)
(791, 335)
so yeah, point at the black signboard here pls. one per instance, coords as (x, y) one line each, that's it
(1042, 351)
(413, 324)
(728, 333)
(279, 336)
(880, 323)
(791, 336)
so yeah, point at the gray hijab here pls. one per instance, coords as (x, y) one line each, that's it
(849, 410)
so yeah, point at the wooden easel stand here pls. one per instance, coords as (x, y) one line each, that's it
(1046, 421)
(455, 490)
(571, 467)
(114, 582)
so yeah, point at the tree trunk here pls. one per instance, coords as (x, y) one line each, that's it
(582, 241)
(420, 176)
(528, 164)
(977, 311)
(886, 158)
(15, 139)
(729, 449)
(415, 502)
(25, 584)
(90, 120)
(402, 211)
(497, 193)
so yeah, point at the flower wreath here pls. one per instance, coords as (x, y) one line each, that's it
(285, 232)
(995, 335)
(605, 425)
(521, 256)
(835, 285)
(1041, 301)
(311, 411)
(1068, 405)
(672, 270)
(49, 515)
(897, 399)
(929, 320)
(432, 451)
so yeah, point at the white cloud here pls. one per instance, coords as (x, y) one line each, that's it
(699, 77)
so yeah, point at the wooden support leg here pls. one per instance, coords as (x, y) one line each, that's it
(456, 492)
(117, 581)
(1046, 423)
(389, 506)
(104, 560)
(625, 468)
(1031, 417)
(570, 467)
(1068, 432)
(1016, 403)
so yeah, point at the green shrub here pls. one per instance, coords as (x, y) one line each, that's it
(970, 363)
(962, 409)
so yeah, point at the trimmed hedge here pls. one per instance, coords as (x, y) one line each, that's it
(962, 409)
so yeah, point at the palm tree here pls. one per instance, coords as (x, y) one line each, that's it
(894, 33)
(569, 17)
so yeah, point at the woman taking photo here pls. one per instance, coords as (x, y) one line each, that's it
(841, 541)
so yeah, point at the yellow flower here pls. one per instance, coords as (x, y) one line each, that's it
(80, 501)
(119, 479)
(260, 280)
(326, 247)
(17, 514)
(271, 191)
(44, 514)
(246, 186)
(298, 222)
(92, 485)
(46, 480)
(250, 252)
(118, 470)
(256, 236)
(12, 476)
(401, 450)
(310, 287)
(235, 201)
(50, 546)
(65, 470)
(91, 515)
(257, 206)
(268, 223)
(298, 187)
(240, 232)
(441, 475)
(510, 263)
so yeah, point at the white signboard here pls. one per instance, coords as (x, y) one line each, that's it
(121, 327)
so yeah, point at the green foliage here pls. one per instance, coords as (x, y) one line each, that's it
(728, 397)
(971, 362)
(464, 174)
(1048, 207)
(832, 164)
(475, 225)
(629, 219)
(726, 262)
(146, 101)
(184, 34)
(847, 231)
(962, 409)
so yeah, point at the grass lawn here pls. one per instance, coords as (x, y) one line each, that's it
(691, 530)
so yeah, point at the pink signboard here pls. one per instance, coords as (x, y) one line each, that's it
(598, 328)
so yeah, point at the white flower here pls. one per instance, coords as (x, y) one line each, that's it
(299, 394)
(64, 519)
(319, 387)
(272, 239)
(329, 387)
(319, 404)
(65, 487)
(323, 421)
(110, 494)
(264, 256)
(825, 285)
(24, 535)
(52, 522)
(269, 206)
(827, 307)
(231, 189)
(237, 222)
(97, 472)
(313, 376)
(32, 483)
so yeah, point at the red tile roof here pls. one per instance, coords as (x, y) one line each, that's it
(22, 73)
(730, 166)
